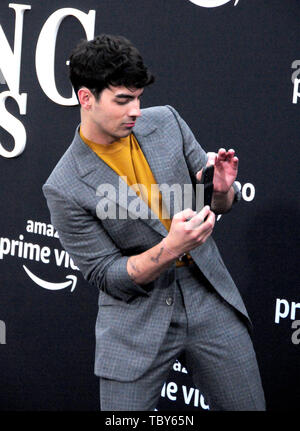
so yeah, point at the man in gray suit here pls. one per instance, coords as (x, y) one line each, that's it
(163, 287)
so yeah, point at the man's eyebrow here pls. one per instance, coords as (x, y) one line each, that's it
(124, 96)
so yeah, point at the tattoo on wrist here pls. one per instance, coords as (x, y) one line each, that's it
(156, 258)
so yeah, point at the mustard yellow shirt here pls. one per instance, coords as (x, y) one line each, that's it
(126, 158)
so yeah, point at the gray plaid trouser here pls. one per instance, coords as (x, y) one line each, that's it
(218, 351)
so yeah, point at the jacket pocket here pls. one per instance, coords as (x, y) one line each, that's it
(105, 299)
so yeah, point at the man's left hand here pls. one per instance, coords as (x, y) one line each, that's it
(226, 168)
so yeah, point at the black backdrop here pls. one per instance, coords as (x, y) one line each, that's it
(228, 71)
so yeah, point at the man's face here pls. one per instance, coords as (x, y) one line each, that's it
(113, 116)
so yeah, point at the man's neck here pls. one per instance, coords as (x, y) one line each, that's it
(93, 135)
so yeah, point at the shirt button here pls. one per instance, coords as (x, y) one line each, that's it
(169, 301)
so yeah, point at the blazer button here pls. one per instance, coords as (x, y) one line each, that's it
(169, 301)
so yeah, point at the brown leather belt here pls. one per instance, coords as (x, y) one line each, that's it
(185, 260)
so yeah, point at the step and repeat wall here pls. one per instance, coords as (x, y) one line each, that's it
(231, 68)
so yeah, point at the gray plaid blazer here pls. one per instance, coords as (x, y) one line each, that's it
(132, 319)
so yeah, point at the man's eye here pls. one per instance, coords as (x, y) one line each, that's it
(119, 102)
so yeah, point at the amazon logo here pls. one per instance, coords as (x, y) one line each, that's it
(20, 249)
(71, 281)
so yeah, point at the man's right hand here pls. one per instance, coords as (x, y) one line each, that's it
(189, 230)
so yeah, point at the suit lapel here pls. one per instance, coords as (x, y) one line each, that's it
(97, 174)
(152, 141)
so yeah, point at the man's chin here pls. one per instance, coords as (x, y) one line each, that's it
(126, 132)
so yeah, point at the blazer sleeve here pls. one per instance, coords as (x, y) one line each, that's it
(100, 261)
(195, 155)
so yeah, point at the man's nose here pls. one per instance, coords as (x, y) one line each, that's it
(135, 110)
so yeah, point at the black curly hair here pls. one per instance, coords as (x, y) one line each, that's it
(107, 60)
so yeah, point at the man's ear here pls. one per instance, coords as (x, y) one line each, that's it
(85, 98)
